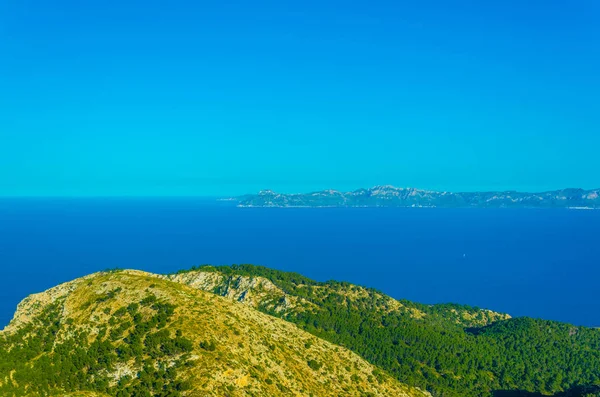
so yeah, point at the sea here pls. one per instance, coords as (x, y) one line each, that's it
(542, 263)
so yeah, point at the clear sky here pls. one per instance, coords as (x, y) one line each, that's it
(228, 97)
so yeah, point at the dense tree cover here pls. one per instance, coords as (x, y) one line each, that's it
(577, 391)
(437, 354)
(46, 357)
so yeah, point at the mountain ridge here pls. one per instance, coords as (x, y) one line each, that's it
(133, 333)
(391, 196)
(447, 349)
(261, 293)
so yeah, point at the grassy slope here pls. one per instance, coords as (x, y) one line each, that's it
(244, 353)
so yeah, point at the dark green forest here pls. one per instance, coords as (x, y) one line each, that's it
(435, 353)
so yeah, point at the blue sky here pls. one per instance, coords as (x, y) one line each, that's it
(224, 97)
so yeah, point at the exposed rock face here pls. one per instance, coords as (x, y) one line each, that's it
(257, 292)
(31, 306)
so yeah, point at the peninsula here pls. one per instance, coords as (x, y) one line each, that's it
(391, 196)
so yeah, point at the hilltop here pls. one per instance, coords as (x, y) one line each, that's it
(130, 333)
(390, 196)
(449, 350)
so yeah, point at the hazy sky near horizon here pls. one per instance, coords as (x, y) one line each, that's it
(228, 97)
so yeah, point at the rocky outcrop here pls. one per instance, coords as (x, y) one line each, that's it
(257, 292)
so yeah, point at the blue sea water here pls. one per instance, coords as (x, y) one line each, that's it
(526, 262)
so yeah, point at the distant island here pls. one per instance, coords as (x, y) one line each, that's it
(390, 196)
(246, 330)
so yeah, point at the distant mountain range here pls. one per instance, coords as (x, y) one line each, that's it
(390, 196)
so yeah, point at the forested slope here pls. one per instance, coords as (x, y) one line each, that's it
(450, 350)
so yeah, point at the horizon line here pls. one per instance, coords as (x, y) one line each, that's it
(232, 196)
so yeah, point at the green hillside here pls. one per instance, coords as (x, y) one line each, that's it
(135, 334)
(450, 350)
